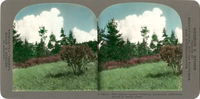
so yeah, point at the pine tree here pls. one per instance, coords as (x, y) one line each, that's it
(63, 41)
(41, 50)
(173, 39)
(166, 39)
(71, 39)
(17, 46)
(154, 40)
(144, 32)
(113, 38)
(113, 42)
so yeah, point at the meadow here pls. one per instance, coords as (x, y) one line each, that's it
(55, 77)
(142, 77)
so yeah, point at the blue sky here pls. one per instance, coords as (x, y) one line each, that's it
(82, 21)
(132, 16)
(74, 15)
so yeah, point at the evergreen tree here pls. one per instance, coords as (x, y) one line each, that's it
(41, 49)
(142, 49)
(17, 46)
(113, 42)
(144, 32)
(63, 41)
(173, 39)
(152, 45)
(57, 48)
(113, 38)
(166, 39)
(71, 39)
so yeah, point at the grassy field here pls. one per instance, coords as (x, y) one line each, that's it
(54, 77)
(59, 77)
(143, 77)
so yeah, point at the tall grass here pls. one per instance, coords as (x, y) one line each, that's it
(54, 77)
(142, 77)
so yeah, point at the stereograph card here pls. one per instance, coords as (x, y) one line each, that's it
(100, 49)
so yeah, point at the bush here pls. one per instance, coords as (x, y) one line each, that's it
(134, 61)
(77, 56)
(36, 61)
(172, 55)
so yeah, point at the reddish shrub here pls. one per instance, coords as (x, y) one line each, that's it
(36, 61)
(134, 61)
(114, 64)
(172, 55)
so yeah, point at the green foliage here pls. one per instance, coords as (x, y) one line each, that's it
(113, 42)
(56, 48)
(166, 38)
(42, 32)
(173, 39)
(142, 48)
(91, 44)
(77, 56)
(63, 41)
(71, 39)
(113, 38)
(144, 32)
(17, 46)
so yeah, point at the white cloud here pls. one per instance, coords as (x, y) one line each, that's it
(82, 36)
(28, 27)
(130, 27)
(179, 34)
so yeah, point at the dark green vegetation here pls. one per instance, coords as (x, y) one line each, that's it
(24, 51)
(55, 77)
(143, 77)
(115, 48)
(78, 71)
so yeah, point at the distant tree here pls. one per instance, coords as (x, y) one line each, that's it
(144, 32)
(71, 39)
(152, 44)
(173, 39)
(41, 49)
(17, 46)
(92, 45)
(142, 49)
(113, 38)
(42, 33)
(113, 42)
(166, 38)
(63, 41)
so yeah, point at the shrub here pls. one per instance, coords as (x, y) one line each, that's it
(36, 61)
(134, 61)
(77, 56)
(172, 55)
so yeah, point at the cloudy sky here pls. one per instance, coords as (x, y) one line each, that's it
(82, 21)
(132, 16)
(73, 17)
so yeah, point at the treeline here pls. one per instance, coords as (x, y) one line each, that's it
(115, 48)
(23, 50)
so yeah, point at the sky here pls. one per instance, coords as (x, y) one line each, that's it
(130, 17)
(53, 17)
(82, 21)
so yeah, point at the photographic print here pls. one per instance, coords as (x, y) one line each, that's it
(54, 48)
(98, 49)
(140, 48)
